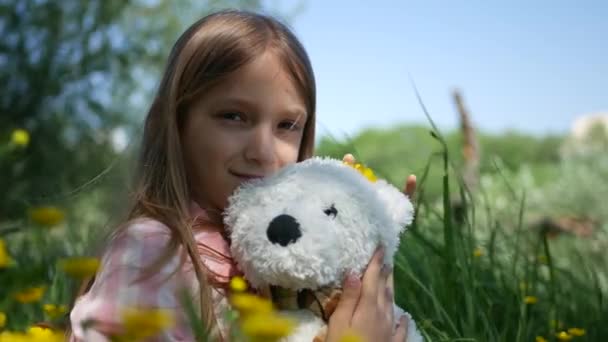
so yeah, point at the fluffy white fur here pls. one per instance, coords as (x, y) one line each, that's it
(368, 214)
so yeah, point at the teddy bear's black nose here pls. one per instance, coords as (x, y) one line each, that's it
(283, 229)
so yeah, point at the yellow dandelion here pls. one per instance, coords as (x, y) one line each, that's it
(30, 295)
(351, 336)
(37, 333)
(530, 300)
(145, 323)
(363, 170)
(47, 216)
(478, 252)
(5, 258)
(238, 284)
(79, 267)
(9, 336)
(2, 319)
(20, 138)
(54, 311)
(247, 304)
(540, 339)
(267, 327)
(576, 331)
(563, 336)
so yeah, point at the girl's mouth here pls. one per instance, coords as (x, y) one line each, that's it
(246, 176)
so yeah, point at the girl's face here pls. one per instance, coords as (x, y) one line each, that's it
(248, 126)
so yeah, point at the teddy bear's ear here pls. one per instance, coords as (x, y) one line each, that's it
(396, 202)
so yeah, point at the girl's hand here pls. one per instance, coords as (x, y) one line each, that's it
(410, 182)
(366, 307)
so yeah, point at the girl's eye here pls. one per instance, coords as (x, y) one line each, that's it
(232, 116)
(289, 125)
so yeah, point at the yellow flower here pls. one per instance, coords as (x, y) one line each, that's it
(542, 259)
(54, 311)
(351, 337)
(47, 216)
(145, 323)
(30, 295)
(247, 303)
(238, 284)
(9, 336)
(530, 300)
(5, 258)
(365, 171)
(79, 267)
(563, 336)
(478, 252)
(37, 333)
(540, 339)
(2, 319)
(576, 331)
(267, 327)
(20, 138)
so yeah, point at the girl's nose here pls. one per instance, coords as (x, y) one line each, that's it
(261, 147)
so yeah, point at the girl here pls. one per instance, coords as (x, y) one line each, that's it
(236, 102)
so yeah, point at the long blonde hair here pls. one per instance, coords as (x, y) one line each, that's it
(206, 53)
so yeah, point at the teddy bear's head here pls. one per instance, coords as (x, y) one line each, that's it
(307, 225)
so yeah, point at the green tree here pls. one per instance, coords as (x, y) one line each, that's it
(73, 74)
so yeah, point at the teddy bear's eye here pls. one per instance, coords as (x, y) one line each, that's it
(331, 211)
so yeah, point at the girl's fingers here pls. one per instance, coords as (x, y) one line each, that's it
(349, 158)
(410, 186)
(401, 332)
(351, 291)
(384, 290)
(372, 279)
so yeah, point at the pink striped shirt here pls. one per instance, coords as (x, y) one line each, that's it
(124, 261)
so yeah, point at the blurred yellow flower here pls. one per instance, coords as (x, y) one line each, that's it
(266, 327)
(576, 331)
(2, 319)
(540, 339)
(365, 171)
(42, 334)
(145, 323)
(79, 267)
(563, 336)
(478, 252)
(9, 336)
(351, 337)
(542, 259)
(20, 137)
(54, 311)
(247, 303)
(530, 300)
(31, 295)
(238, 284)
(47, 216)
(5, 258)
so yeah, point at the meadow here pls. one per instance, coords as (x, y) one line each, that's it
(483, 265)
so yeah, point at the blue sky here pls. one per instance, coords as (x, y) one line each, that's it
(526, 65)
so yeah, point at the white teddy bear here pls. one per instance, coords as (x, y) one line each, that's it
(303, 229)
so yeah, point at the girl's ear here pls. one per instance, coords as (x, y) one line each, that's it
(396, 203)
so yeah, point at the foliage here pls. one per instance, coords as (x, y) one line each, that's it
(491, 277)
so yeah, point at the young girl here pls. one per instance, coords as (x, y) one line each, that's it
(236, 102)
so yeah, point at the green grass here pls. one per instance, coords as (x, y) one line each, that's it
(455, 295)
